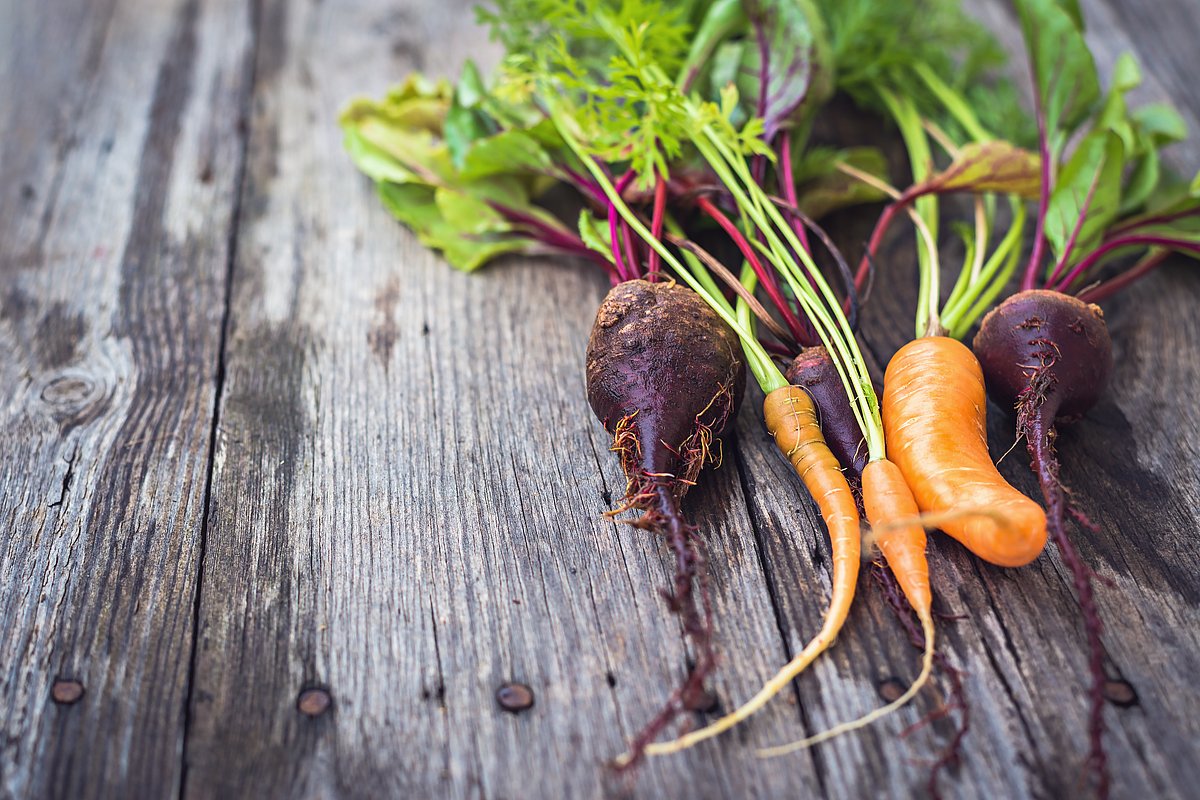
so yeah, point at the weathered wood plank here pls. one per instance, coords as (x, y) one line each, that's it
(119, 154)
(408, 492)
(371, 531)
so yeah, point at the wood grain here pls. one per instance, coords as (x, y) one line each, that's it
(120, 162)
(238, 394)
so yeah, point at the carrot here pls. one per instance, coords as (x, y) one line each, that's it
(934, 409)
(887, 500)
(892, 510)
(791, 417)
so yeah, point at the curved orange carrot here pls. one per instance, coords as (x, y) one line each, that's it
(934, 410)
(791, 417)
(893, 513)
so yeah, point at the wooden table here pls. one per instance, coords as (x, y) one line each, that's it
(284, 499)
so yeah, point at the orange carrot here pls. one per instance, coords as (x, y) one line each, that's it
(791, 418)
(887, 498)
(893, 512)
(934, 423)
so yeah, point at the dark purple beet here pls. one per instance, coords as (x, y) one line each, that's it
(1059, 336)
(660, 360)
(814, 370)
(1051, 356)
(665, 375)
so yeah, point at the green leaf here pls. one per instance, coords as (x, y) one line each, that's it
(465, 121)
(374, 162)
(1098, 162)
(417, 103)
(799, 67)
(1142, 181)
(404, 128)
(994, 166)
(1126, 73)
(510, 151)
(1159, 123)
(1063, 69)
(595, 234)
(418, 207)
(412, 204)
(468, 214)
(470, 90)
(723, 17)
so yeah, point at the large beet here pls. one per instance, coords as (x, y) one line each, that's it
(665, 375)
(1050, 355)
(661, 363)
(1047, 342)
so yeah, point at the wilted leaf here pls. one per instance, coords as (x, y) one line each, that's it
(994, 166)
(823, 188)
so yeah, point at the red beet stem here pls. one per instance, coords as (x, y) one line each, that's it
(766, 277)
(788, 185)
(656, 226)
(1100, 252)
(1106, 289)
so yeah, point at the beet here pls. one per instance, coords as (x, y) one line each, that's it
(662, 365)
(1050, 354)
(814, 370)
(1062, 338)
(665, 375)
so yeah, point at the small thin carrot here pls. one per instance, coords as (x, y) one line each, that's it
(934, 410)
(888, 501)
(791, 418)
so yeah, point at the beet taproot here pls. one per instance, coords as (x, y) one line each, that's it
(665, 375)
(1050, 355)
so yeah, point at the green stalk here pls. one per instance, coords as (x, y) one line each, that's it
(976, 247)
(698, 269)
(908, 120)
(953, 102)
(827, 317)
(956, 312)
(1008, 254)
